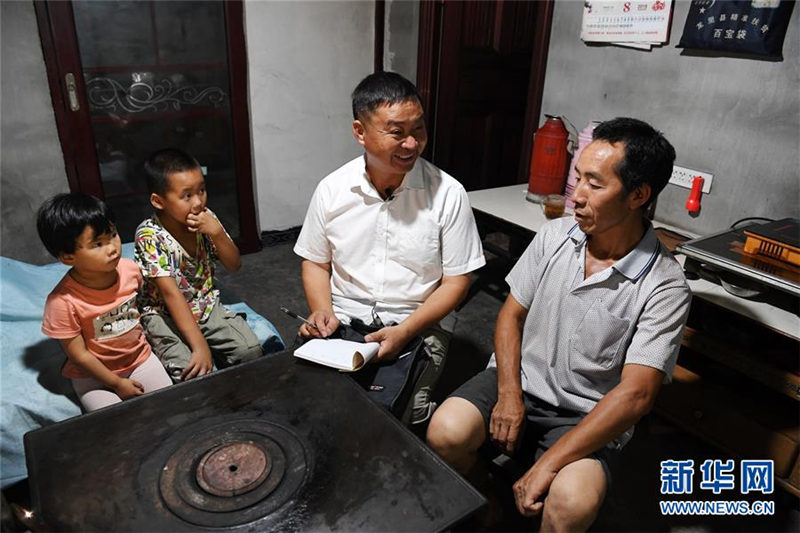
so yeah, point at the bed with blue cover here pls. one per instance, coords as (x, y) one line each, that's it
(33, 393)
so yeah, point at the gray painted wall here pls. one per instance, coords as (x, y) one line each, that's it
(737, 118)
(31, 164)
(304, 60)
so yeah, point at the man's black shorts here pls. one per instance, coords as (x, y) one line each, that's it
(544, 424)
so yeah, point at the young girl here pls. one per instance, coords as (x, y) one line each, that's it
(92, 311)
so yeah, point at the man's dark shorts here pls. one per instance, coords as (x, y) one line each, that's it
(544, 424)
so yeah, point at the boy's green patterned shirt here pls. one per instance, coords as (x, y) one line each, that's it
(159, 254)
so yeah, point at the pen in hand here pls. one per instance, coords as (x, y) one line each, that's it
(298, 317)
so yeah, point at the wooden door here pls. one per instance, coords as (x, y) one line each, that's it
(480, 71)
(129, 78)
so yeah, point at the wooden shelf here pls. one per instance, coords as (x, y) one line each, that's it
(732, 421)
(786, 383)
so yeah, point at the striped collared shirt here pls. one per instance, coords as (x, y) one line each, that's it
(579, 333)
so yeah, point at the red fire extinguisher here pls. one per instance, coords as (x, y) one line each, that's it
(551, 155)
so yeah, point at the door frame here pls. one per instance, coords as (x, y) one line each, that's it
(380, 31)
(433, 38)
(61, 56)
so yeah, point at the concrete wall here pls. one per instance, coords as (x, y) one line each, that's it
(737, 118)
(401, 36)
(304, 60)
(31, 164)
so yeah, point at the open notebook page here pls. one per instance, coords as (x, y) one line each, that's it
(338, 353)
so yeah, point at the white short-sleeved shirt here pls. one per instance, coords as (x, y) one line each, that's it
(579, 333)
(389, 256)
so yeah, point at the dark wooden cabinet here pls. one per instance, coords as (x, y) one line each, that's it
(737, 386)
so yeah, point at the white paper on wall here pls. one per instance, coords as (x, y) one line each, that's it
(626, 22)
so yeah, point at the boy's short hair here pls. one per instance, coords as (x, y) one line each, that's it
(648, 154)
(161, 164)
(381, 88)
(61, 219)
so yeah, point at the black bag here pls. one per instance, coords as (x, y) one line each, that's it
(743, 27)
(390, 384)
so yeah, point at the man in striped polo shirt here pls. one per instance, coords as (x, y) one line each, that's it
(590, 330)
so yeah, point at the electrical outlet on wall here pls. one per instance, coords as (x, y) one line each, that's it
(683, 177)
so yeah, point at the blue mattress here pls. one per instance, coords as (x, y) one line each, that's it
(32, 391)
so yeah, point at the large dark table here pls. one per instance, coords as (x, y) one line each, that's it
(274, 444)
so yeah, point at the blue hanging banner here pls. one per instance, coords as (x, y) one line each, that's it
(756, 27)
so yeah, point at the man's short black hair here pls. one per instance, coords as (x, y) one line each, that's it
(161, 164)
(62, 219)
(648, 155)
(379, 89)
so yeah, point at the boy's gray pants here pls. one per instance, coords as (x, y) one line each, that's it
(229, 337)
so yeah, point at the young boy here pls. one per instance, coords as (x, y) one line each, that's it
(176, 249)
(92, 311)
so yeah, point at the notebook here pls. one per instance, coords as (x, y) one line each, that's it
(338, 353)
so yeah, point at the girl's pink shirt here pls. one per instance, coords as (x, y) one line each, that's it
(108, 320)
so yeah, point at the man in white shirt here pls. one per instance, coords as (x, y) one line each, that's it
(389, 238)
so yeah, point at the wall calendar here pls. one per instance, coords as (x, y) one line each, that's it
(626, 23)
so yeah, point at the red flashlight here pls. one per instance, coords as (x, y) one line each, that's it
(693, 202)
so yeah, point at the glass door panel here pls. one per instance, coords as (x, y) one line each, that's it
(156, 76)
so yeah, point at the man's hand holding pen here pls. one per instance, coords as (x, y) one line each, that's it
(324, 324)
(320, 324)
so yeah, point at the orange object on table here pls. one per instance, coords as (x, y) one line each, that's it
(778, 240)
